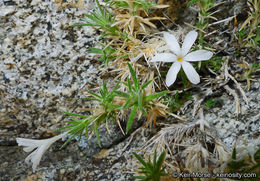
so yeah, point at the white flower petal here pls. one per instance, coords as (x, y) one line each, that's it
(28, 148)
(198, 55)
(37, 157)
(27, 142)
(188, 42)
(191, 73)
(172, 43)
(164, 57)
(172, 73)
(29, 157)
(40, 147)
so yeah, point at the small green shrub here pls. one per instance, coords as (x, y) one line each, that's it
(152, 171)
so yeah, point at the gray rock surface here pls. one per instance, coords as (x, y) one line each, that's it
(44, 68)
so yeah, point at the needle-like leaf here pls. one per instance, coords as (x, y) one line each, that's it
(133, 75)
(131, 118)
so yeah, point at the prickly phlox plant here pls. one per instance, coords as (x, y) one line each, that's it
(126, 27)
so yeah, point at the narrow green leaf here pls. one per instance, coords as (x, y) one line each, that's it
(74, 133)
(154, 157)
(69, 126)
(146, 84)
(139, 158)
(160, 160)
(122, 94)
(105, 86)
(94, 94)
(154, 96)
(126, 105)
(125, 84)
(95, 50)
(131, 118)
(91, 99)
(102, 93)
(133, 75)
(234, 153)
(115, 88)
(97, 134)
(71, 122)
(74, 114)
(99, 7)
(82, 24)
(139, 177)
(140, 100)
(129, 86)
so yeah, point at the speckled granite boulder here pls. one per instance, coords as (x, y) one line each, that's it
(44, 67)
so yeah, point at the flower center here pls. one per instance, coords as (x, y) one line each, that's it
(179, 59)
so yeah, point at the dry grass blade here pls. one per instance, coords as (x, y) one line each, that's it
(172, 133)
(202, 122)
(227, 75)
(198, 100)
(132, 24)
(234, 94)
(188, 148)
(223, 155)
(132, 19)
(196, 158)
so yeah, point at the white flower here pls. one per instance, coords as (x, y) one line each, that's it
(39, 147)
(181, 57)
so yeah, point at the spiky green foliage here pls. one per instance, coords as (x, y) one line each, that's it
(210, 103)
(105, 53)
(105, 112)
(249, 32)
(136, 97)
(152, 171)
(177, 101)
(132, 5)
(102, 19)
(215, 63)
(76, 126)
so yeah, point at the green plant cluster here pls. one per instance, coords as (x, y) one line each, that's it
(133, 5)
(135, 99)
(151, 171)
(204, 16)
(249, 32)
(245, 165)
(101, 19)
(215, 63)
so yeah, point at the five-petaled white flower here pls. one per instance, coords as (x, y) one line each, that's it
(181, 57)
(39, 147)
